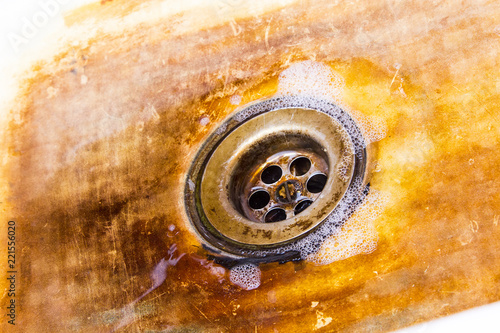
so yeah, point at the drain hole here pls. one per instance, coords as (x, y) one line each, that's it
(300, 166)
(259, 199)
(275, 215)
(301, 206)
(271, 174)
(316, 183)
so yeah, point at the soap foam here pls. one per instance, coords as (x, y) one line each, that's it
(246, 276)
(315, 79)
(373, 128)
(357, 236)
(311, 78)
(235, 100)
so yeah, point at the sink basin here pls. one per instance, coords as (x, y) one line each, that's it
(107, 106)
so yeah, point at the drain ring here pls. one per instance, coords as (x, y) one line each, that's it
(213, 190)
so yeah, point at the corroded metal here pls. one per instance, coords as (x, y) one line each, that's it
(287, 191)
(105, 130)
(229, 166)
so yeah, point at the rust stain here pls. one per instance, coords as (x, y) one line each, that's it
(96, 169)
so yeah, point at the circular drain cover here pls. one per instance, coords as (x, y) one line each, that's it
(273, 173)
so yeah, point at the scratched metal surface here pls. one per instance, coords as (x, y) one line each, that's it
(105, 130)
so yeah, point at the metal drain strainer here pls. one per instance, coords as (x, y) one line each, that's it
(283, 186)
(273, 173)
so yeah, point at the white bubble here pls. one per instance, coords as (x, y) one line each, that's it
(235, 100)
(246, 276)
(221, 129)
(204, 120)
(313, 79)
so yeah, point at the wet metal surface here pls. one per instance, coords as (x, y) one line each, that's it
(96, 168)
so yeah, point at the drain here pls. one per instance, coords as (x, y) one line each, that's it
(282, 179)
(272, 174)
